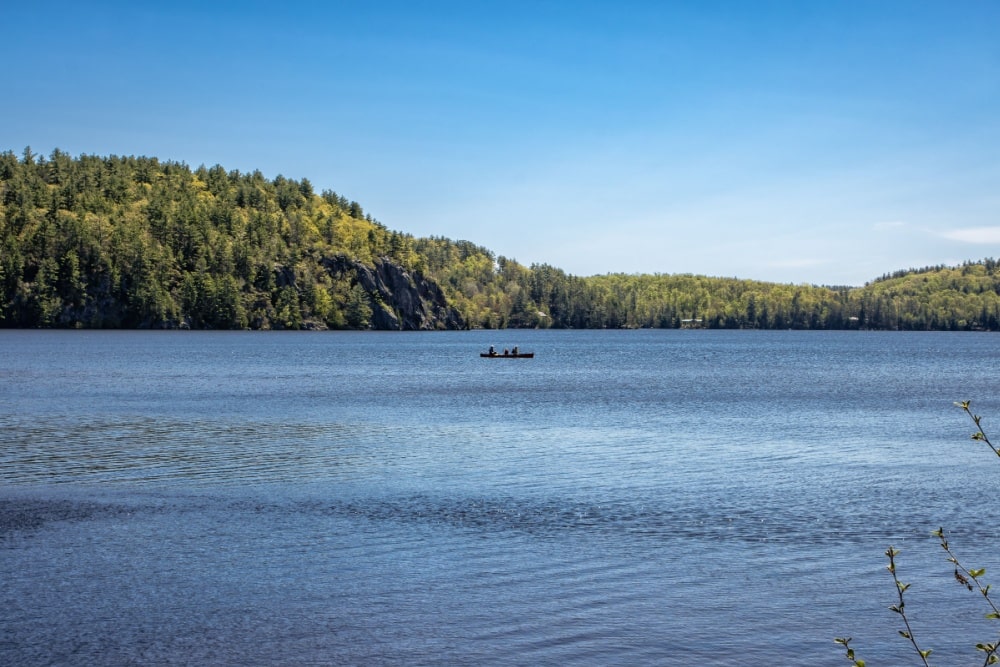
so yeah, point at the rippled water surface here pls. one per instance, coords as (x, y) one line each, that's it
(625, 497)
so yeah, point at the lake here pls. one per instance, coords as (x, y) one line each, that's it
(626, 497)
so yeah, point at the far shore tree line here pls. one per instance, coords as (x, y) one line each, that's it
(136, 242)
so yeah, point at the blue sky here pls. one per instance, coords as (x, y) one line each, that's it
(792, 141)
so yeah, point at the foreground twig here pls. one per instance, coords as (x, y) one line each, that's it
(900, 607)
(977, 420)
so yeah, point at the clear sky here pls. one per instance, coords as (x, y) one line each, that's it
(792, 141)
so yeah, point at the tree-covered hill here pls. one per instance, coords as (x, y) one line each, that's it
(136, 242)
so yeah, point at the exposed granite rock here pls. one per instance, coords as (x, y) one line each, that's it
(400, 300)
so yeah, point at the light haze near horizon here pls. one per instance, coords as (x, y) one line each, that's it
(797, 142)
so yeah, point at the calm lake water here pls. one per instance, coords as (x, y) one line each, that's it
(624, 498)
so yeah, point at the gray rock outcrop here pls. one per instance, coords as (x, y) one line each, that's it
(400, 300)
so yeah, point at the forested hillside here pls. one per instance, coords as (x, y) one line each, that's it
(135, 242)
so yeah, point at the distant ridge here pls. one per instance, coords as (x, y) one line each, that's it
(136, 242)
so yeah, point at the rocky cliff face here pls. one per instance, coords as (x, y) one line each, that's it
(401, 301)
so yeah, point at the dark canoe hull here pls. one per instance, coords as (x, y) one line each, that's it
(519, 355)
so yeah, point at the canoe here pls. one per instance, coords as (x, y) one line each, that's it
(519, 355)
